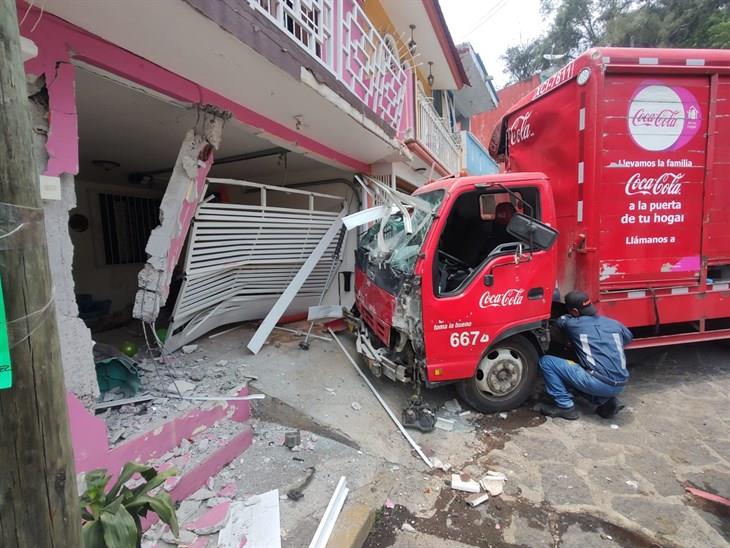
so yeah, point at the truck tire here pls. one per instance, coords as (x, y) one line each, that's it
(504, 377)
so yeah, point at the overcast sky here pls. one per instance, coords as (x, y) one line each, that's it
(492, 26)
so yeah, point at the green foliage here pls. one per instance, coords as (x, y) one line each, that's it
(577, 25)
(113, 518)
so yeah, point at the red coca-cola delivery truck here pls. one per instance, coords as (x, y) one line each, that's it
(618, 183)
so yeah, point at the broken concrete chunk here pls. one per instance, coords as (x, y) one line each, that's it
(188, 508)
(202, 494)
(445, 466)
(453, 406)
(445, 424)
(183, 448)
(477, 499)
(503, 416)
(464, 483)
(215, 501)
(493, 486)
(408, 528)
(211, 521)
(180, 386)
(229, 490)
(222, 363)
(185, 538)
(189, 348)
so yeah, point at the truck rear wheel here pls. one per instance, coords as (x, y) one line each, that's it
(503, 378)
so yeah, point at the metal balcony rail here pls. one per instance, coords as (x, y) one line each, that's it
(357, 54)
(433, 133)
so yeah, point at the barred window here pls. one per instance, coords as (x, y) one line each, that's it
(126, 224)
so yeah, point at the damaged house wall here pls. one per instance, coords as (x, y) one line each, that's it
(181, 198)
(94, 274)
(75, 337)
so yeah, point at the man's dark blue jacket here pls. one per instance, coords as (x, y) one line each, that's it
(599, 343)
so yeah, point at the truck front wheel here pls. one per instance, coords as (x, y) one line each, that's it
(503, 378)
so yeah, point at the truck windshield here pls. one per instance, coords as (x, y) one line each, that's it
(399, 248)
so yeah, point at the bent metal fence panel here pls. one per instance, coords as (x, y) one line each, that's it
(240, 259)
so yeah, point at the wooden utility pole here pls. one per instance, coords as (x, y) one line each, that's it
(38, 499)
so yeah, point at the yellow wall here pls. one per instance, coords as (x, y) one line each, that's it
(380, 20)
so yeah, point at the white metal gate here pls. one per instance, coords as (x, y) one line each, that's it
(241, 258)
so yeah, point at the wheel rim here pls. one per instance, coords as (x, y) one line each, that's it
(500, 372)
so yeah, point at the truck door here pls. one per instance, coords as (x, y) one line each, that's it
(479, 282)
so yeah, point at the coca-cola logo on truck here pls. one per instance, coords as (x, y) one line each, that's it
(520, 130)
(511, 297)
(667, 184)
(663, 117)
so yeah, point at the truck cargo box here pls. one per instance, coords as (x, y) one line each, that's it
(636, 144)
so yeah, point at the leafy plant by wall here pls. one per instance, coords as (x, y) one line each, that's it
(113, 518)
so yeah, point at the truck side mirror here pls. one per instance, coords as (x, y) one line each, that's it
(531, 231)
(489, 280)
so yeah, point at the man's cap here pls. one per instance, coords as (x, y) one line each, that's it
(581, 301)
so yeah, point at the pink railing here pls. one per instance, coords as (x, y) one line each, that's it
(340, 36)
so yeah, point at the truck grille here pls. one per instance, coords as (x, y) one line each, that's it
(379, 327)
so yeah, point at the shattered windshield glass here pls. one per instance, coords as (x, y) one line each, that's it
(398, 246)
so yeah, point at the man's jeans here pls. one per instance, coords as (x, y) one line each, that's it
(559, 374)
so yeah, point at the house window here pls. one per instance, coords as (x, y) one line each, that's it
(126, 224)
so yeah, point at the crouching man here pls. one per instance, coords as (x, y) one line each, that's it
(601, 374)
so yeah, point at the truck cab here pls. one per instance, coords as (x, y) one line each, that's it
(461, 290)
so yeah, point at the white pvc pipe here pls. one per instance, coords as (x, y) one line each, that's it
(406, 435)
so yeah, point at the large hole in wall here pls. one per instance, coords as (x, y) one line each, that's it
(129, 139)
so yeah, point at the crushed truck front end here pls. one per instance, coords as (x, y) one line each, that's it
(387, 316)
(460, 290)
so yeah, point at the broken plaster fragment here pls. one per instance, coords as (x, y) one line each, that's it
(202, 494)
(212, 521)
(464, 483)
(492, 485)
(356, 406)
(229, 490)
(408, 528)
(438, 464)
(180, 386)
(185, 538)
(189, 348)
(445, 424)
(453, 406)
(477, 499)
(215, 501)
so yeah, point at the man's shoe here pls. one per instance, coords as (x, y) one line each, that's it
(567, 413)
(610, 408)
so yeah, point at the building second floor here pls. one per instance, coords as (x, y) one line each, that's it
(352, 83)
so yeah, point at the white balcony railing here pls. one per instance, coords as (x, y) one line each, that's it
(433, 133)
(309, 22)
(340, 36)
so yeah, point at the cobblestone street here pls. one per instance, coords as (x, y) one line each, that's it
(584, 483)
